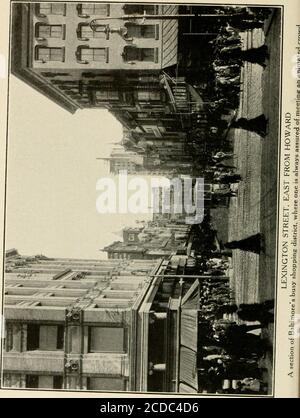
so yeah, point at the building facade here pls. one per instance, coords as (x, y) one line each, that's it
(85, 55)
(94, 324)
(153, 241)
(76, 324)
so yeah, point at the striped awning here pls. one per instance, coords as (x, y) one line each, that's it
(188, 373)
(169, 37)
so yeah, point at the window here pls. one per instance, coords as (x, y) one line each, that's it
(50, 54)
(33, 337)
(132, 53)
(57, 382)
(148, 79)
(87, 54)
(85, 32)
(147, 96)
(51, 9)
(139, 9)
(97, 9)
(60, 337)
(106, 339)
(141, 31)
(106, 95)
(32, 381)
(45, 337)
(105, 383)
(50, 31)
(44, 381)
(142, 115)
(131, 237)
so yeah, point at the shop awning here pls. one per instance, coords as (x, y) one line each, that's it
(188, 373)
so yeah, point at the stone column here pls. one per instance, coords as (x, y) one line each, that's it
(9, 337)
(16, 330)
(24, 337)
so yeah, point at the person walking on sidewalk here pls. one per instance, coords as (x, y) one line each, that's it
(254, 55)
(257, 125)
(254, 244)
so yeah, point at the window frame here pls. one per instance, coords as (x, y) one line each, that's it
(108, 99)
(149, 99)
(131, 237)
(109, 326)
(140, 9)
(142, 28)
(80, 59)
(80, 9)
(51, 4)
(139, 51)
(122, 379)
(80, 36)
(60, 336)
(41, 24)
(40, 47)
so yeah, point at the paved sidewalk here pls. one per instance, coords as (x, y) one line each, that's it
(255, 208)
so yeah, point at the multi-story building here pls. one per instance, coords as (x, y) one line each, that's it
(152, 241)
(76, 324)
(95, 324)
(85, 55)
(121, 160)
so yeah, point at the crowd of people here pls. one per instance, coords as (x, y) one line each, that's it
(229, 55)
(229, 353)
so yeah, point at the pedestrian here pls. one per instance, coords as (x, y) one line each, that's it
(224, 166)
(241, 369)
(254, 244)
(214, 357)
(251, 385)
(257, 312)
(253, 55)
(230, 49)
(225, 178)
(224, 193)
(219, 156)
(245, 25)
(213, 349)
(227, 309)
(238, 341)
(258, 125)
(228, 81)
(227, 72)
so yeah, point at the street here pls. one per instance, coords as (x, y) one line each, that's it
(255, 208)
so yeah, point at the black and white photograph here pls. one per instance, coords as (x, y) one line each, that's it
(142, 197)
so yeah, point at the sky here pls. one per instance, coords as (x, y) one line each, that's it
(52, 175)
